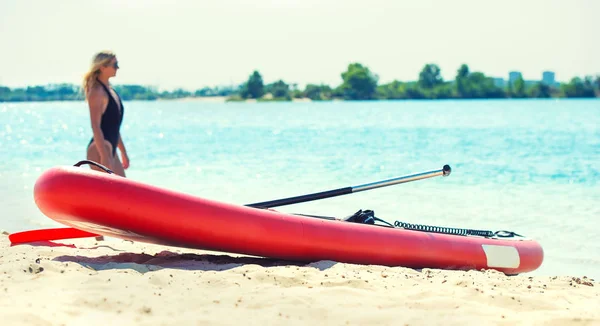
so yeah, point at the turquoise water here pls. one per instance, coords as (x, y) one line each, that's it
(530, 166)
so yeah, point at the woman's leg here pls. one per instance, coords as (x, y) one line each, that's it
(118, 166)
(94, 155)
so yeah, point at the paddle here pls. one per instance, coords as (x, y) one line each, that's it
(445, 171)
(47, 235)
(66, 233)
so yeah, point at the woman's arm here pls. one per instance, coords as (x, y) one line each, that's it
(124, 156)
(97, 107)
(121, 146)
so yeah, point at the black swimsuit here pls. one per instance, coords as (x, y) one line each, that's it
(111, 120)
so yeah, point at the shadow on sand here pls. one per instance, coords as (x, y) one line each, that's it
(143, 263)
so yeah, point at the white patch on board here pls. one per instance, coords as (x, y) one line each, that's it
(502, 256)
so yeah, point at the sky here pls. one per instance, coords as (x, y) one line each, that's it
(196, 43)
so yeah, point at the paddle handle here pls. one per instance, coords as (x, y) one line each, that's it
(445, 171)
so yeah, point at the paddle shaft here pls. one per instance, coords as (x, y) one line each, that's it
(445, 171)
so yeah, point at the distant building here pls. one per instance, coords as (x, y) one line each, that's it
(513, 76)
(548, 78)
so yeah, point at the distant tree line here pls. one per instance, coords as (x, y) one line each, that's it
(69, 92)
(358, 83)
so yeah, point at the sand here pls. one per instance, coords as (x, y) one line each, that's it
(116, 282)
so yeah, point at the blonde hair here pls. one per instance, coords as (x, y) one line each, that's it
(89, 79)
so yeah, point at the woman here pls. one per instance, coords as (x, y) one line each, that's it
(106, 114)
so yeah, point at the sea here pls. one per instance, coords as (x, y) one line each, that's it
(530, 166)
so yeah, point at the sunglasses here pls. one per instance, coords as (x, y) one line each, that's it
(114, 65)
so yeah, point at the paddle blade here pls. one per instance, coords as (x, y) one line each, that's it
(48, 234)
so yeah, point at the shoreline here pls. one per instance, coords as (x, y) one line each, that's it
(224, 99)
(82, 280)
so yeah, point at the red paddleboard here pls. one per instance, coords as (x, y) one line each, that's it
(110, 205)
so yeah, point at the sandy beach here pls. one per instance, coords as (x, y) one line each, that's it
(83, 281)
